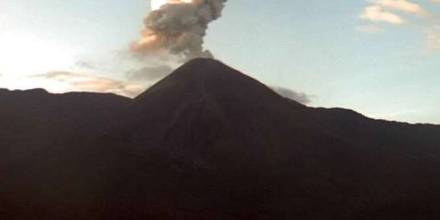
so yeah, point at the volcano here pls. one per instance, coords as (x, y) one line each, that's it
(208, 142)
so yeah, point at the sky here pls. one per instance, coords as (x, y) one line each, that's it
(378, 57)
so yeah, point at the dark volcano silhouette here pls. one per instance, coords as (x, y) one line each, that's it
(209, 142)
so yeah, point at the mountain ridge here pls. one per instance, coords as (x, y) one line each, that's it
(208, 142)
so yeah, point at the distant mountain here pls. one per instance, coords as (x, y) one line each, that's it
(208, 142)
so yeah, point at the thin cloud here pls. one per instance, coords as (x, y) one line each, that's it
(376, 13)
(290, 94)
(386, 11)
(83, 82)
(397, 12)
(401, 5)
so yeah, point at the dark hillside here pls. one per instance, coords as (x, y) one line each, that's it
(209, 142)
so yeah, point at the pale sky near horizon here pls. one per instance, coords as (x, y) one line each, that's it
(378, 57)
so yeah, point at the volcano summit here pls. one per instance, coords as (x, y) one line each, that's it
(208, 142)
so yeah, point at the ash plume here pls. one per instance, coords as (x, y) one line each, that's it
(178, 29)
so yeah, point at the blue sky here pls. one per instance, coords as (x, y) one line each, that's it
(378, 57)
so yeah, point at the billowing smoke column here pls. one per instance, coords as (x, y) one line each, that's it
(178, 28)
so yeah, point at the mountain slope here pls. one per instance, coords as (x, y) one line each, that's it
(43, 145)
(211, 122)
(209, 142)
